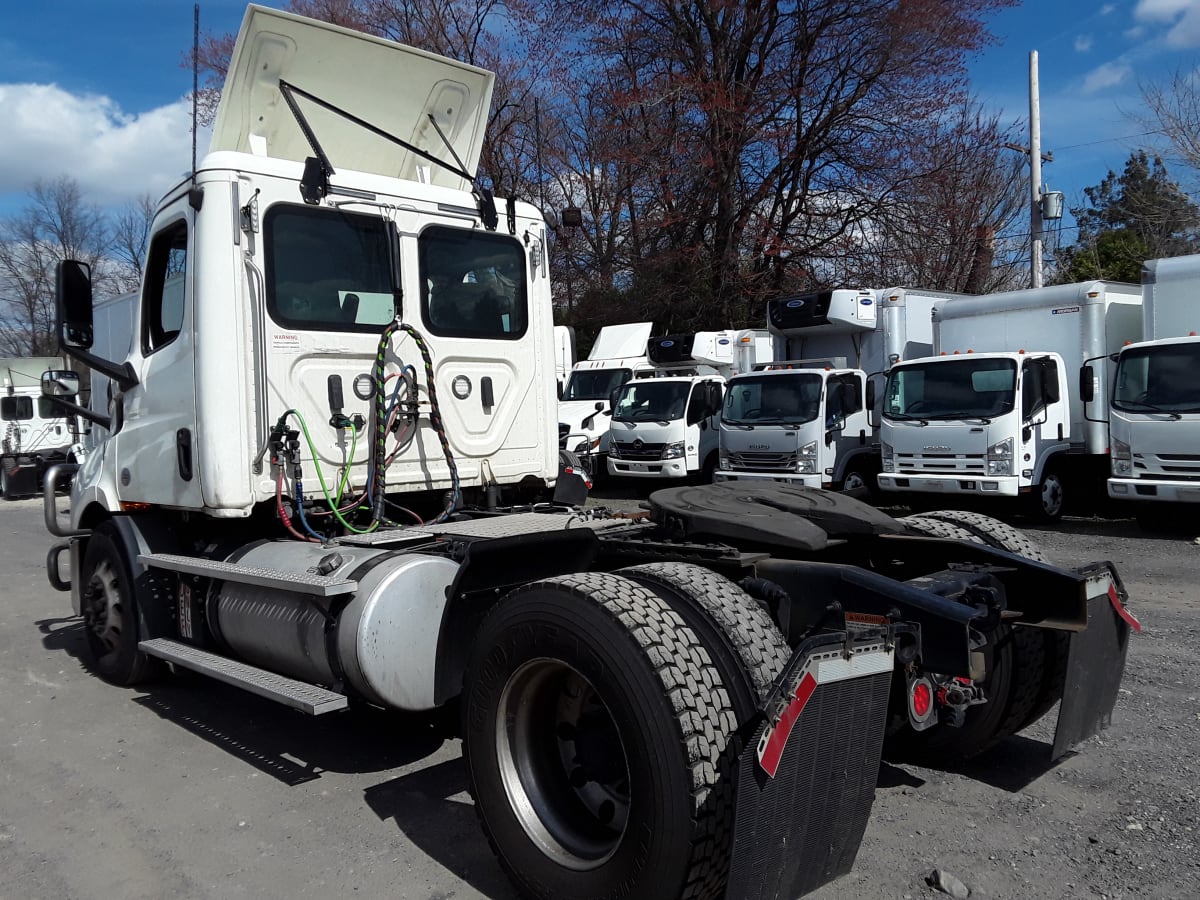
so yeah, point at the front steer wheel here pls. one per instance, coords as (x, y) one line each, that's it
(110, 613)
(594, 725)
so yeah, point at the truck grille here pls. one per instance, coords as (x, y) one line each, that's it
(940, 464)
(757, 461)
(1175, 466)
(638, 451)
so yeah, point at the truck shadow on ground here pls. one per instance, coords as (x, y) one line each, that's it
(280, 742)
(438, 793)
(1010, 766)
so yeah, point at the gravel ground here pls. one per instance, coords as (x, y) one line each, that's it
(195, 790)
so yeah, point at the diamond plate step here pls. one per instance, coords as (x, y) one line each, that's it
(297, 582)
(299, 695)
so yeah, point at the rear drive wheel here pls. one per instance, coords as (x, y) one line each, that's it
(594, 723)
(1057, 643)
(1015, 662)
(110, 613)
(860, 482)
(744, 643)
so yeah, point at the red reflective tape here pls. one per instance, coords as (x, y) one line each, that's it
(772, 753)
(1115, 599)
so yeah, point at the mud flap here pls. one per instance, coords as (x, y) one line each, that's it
(1095, 660)
(806, 781)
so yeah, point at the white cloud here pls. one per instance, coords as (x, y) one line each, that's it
(1108, 75)
(1183, 16)
(113, 155)
(1083, 43)
(1107, 9)
(1136, 33)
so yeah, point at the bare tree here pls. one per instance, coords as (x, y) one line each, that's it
(130, 238)
(1172, 109)
(56, 223)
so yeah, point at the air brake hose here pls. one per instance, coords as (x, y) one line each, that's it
(435, 421)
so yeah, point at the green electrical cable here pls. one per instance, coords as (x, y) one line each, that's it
(349, 465)
(321, 477)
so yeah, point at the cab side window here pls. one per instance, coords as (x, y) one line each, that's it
(166, 286)
(16, 409)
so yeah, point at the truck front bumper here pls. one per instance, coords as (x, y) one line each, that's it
(657, 468)
(812, 481)
(974, 485)
(1154, 490)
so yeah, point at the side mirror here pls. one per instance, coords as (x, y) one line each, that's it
(60, 383)
(870, 395)
(600, 406)
(1087, 384)
(73, 304)
(612, 398)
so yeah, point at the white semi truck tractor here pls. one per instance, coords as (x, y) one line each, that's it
(1154, 413)
(998, 414)
(319, 440)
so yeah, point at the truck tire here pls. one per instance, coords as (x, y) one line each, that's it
(992, 532)
(4, 488)
(1048, 499)
(594, 726)
(110, 612)
(1057, 643)
(859, 481)
(1017, 677)
(708, 472)
(746, 646)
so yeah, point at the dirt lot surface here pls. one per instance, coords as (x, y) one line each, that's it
(189, 789)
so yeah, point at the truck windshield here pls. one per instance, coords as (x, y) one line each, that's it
(651, 401)
(328, 270)
(773, 399)
(958, 388)
(595, 384)
(1161, 378)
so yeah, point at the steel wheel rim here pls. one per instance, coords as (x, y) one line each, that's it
(562, 763)
(853, 482)
(103, 608)
(1052, 495)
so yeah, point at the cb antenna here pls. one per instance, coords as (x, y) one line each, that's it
(195, 195)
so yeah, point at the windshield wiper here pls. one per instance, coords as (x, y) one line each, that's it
(1153, 408)
(905, 417)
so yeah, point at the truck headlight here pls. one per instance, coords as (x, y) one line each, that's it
(1000, 457)
(806, 467)
(888, 457)
(809, 450)
(723, 462)
(613, 450)
(673, 451)
(1122, 457)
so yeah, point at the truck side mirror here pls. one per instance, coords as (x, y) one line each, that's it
(870, 395)
(1087, 384)
(60, 383)
(73, 304)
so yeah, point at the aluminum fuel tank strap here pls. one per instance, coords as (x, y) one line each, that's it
(297, 582)
(500, 526)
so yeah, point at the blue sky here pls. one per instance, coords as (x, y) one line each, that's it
(95, 88)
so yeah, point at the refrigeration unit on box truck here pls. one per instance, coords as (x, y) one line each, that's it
(998, 412)
(1154, 420)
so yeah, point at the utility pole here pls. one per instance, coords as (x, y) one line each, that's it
(1035, 174)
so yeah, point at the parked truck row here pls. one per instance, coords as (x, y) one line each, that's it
(331, 404)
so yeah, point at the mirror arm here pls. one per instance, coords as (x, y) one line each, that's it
(123, 374)
(105, 422)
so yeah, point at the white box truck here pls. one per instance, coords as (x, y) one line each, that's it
(664, 423)
(998, 413)
(1154, 418)
(34, 433)
(806, 418)
(585, 404)
(633, 721)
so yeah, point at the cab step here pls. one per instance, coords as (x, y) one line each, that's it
(296, 582)
(308, 698)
